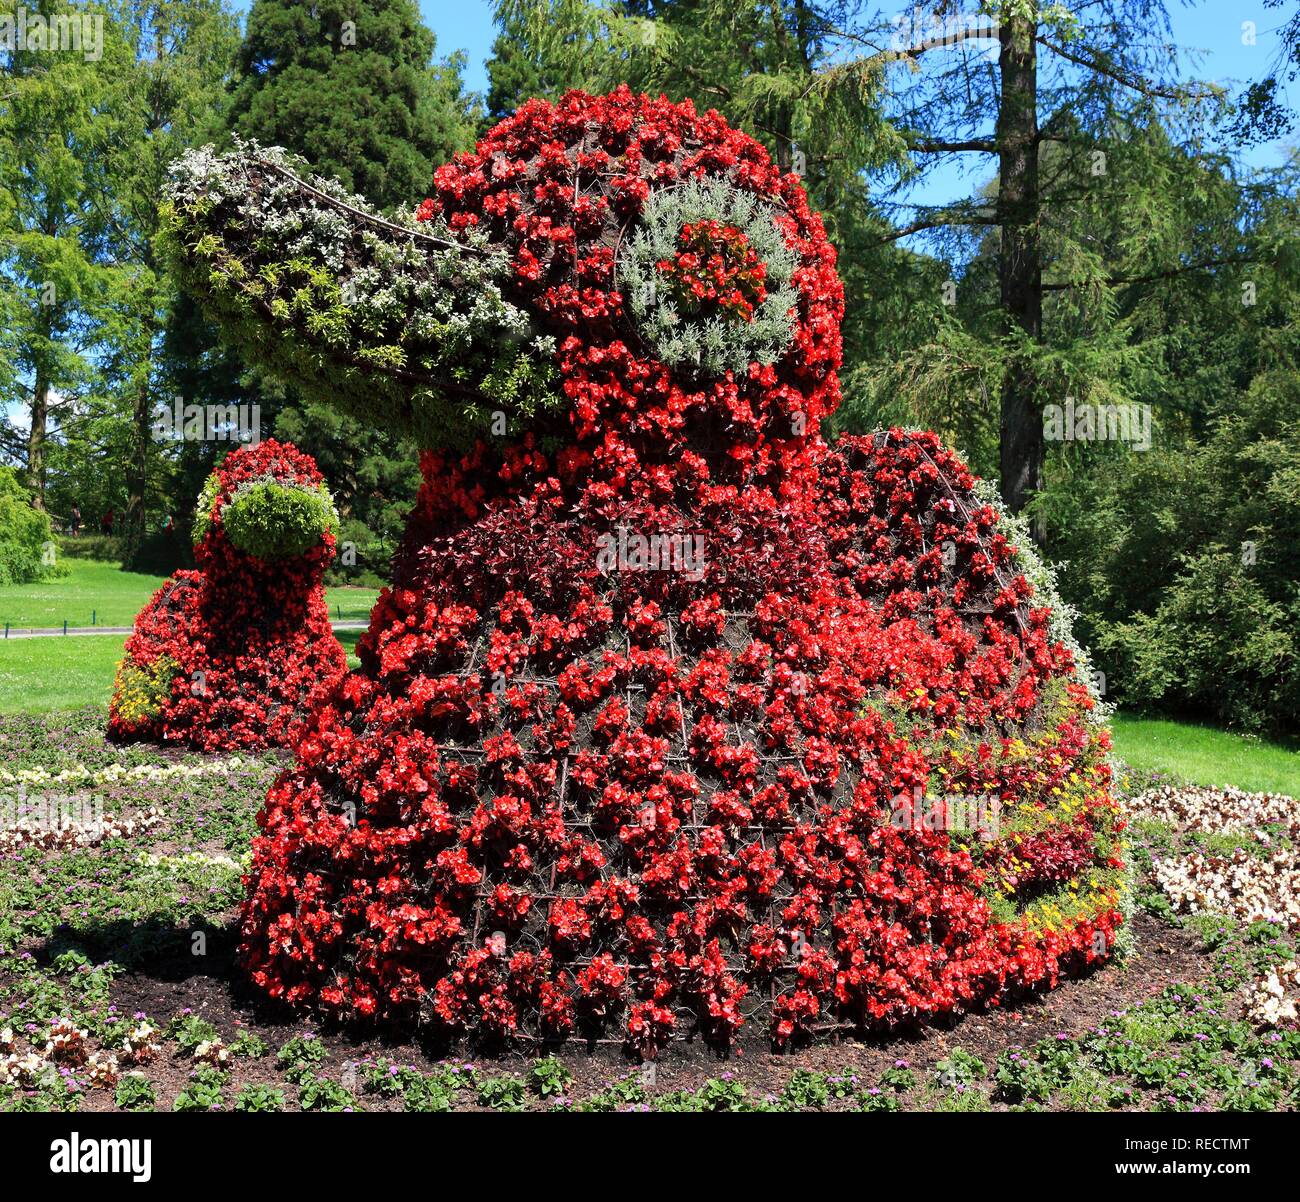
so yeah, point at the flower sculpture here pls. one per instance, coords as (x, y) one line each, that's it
(234, 654)
(675, 718)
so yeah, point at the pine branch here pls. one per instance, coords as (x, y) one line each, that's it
(982, 145)
(1121, 281)
(989, 30)
(935, 221)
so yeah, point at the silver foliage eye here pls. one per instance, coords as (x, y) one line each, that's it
(706, 277)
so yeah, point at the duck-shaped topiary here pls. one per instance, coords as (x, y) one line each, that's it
(676, 717)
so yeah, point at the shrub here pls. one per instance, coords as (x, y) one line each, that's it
(25, 534)
(299, 1055)
(106, 548)
(1182, 563)
(425, 1095)
(806, 1090)
(320, 1093)
(269, 520)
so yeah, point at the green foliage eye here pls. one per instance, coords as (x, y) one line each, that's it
(707, 278)
(274, 521)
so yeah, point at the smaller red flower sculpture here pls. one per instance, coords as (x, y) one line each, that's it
(234, 654)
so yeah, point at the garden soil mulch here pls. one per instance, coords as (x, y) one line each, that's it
(210, 988)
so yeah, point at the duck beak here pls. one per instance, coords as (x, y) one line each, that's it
(402, 325)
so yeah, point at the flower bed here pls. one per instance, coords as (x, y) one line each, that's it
(1256, 879)
(1235, 857)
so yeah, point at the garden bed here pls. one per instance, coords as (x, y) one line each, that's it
(104, 938)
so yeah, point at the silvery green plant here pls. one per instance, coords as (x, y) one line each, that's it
(712, 345)
(400, 324)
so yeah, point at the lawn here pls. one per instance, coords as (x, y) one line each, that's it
(1203, 755)
(39, 675)
(102, 594)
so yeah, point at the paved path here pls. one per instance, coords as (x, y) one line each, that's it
(58, 632)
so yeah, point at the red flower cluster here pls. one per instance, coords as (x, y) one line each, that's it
(715, 271)
(234, 654)
(559, 798)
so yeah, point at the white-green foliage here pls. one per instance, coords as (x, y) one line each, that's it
(397, 323)
(712, 345)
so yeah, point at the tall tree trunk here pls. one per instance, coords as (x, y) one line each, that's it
(36, 438)
(138, 466)
(1019, 264)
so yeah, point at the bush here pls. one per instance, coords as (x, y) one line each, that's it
(24, 534)
(106, 548)
(1182, 562)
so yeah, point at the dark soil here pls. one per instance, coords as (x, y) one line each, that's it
(210, 988)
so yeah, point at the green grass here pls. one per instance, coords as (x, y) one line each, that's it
(1206, 756)
(40, 675)
(113, 598)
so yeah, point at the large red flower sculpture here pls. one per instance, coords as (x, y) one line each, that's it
(675, 717)
(233, 655)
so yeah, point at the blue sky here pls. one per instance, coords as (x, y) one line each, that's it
(1216, 44)
(1209, 34)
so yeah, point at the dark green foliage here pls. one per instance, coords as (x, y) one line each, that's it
(352, 86)
(25, 533)
(379, 116)
(104, 547)
(1184, 562)
(374, 476)
(204, 1091)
